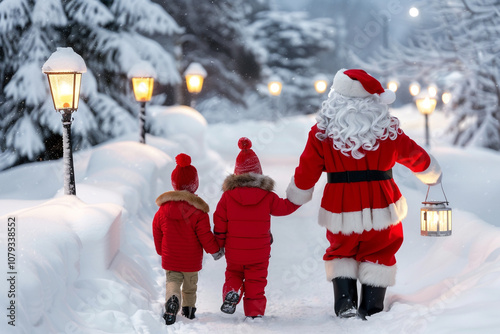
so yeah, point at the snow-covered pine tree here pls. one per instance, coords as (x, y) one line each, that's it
(111, 36)
(459, 51)
(290, 44)
(223, 36)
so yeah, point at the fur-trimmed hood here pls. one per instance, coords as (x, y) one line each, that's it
(251, 180)
(248, 188)
(183, 195)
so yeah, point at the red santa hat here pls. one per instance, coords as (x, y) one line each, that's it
(184, 176)
(247, 161)
(358, 83)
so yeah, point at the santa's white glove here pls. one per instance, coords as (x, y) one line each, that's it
(219, 254)
(438, 181)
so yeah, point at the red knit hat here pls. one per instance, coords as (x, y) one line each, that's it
(184, 176)
(247, 161)
(358, 83)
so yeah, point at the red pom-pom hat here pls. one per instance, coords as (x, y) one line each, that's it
(184, 176)
(246, 161)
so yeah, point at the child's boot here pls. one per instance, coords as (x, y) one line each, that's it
(188, 312)
(346, 297)
(171, 309)
(230, 301)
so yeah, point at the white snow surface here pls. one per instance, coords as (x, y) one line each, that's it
(87, 263)
(64, 60)
(142, 69)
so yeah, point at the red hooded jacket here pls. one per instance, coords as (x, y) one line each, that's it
(242, 220)
(181, 230)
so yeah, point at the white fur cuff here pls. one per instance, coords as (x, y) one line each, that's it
(298, 196)
(346, 267)
(431, 174)
(377, 274)
(364, 220)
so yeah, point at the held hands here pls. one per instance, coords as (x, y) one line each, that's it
(219, 254)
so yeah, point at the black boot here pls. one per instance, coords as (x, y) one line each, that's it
(188, 312)
(171, 309)
(372, 300)
(230, 301)
(346, 297)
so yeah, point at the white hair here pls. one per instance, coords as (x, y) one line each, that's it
(356, 125)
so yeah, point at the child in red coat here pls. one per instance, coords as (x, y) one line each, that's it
(242, 223)
(181, 230)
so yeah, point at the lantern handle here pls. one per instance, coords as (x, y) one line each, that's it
(442, 189)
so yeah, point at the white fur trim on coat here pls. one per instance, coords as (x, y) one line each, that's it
(345, 267)
(377, 274)
(365, 220)
(432, 174)
(298, 196)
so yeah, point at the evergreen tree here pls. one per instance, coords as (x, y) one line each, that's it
(242, 44)
(458, 49)
(111, 36)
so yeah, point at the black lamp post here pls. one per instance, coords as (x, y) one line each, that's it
(143, 77)
(195, 73)
(64, 70)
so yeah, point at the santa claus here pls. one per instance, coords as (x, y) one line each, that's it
(357, 143)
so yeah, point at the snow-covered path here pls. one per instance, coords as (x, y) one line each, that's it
(443, 285)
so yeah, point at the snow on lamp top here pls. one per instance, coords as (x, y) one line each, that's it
(195, 69)
(64, 60)
(142, 69)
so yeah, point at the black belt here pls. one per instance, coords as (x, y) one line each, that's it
(359, 176)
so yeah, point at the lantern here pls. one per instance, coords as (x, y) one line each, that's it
(195, 74)
(435, 217)
(143, 88)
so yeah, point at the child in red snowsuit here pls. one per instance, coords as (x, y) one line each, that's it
(242, 223)
(181, 231)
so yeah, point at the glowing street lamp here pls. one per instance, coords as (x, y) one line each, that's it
(432, 90)
(194, 74)
(426, 105)
(275, 87)
(414, 88)
(320, 84)
(435, 217)
(64, 70)
(414, 12)
(446, 97)
(143, 76)
(393, 85)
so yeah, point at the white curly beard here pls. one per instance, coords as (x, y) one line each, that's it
(356, 125)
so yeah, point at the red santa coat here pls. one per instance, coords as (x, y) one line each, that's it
(359, 206)
(181, 230)
(362, 218)
(242, 220)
